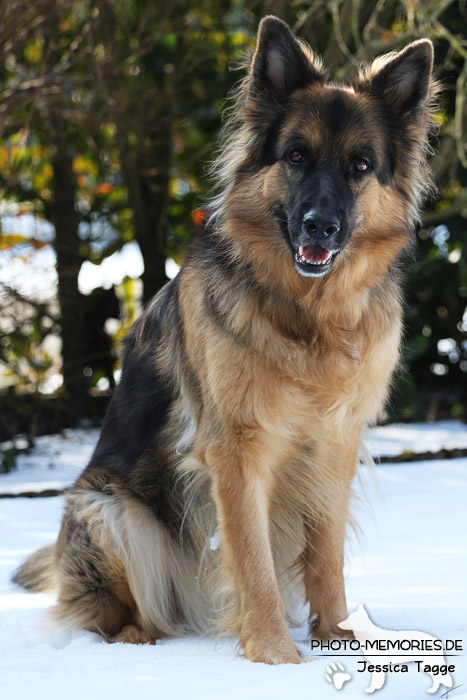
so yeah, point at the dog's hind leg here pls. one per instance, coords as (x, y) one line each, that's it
(93, 593)
(117, 565)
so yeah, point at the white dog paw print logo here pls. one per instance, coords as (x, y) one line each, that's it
(337, 675)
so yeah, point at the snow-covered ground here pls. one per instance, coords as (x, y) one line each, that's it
(397, 439)
(409, 568)
(54, 463)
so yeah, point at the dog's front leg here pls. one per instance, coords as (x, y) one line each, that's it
(325, 536)
(241, 498)
(324, 578)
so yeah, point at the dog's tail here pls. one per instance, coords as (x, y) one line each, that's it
(37, 573)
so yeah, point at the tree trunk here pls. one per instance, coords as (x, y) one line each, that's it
(69, 260)
(146, 170)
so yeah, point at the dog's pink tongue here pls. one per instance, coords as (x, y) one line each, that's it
(315, 254)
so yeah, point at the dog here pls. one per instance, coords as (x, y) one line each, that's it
(432, 663)
(248, 379)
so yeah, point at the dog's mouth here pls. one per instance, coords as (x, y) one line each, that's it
(314, 260)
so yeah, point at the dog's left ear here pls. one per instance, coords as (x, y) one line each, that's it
(402, 80)
(280, 65)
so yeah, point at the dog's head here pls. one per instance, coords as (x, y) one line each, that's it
(329, 168)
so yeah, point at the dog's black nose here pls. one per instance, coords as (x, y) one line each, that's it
(322, 223)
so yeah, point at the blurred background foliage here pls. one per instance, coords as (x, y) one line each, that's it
(109, 114)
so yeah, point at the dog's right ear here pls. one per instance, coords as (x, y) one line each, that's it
(280, 64)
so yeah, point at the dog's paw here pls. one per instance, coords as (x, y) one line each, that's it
(283, 652)
(131, 634)
(319, 628)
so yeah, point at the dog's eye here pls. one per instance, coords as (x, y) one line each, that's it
(295, 156)
(360, 165)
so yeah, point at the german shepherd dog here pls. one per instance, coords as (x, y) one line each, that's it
(218, 493)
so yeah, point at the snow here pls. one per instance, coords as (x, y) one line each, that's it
(409, 568)
(215, 541)
(54, 463)
(396, 439)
